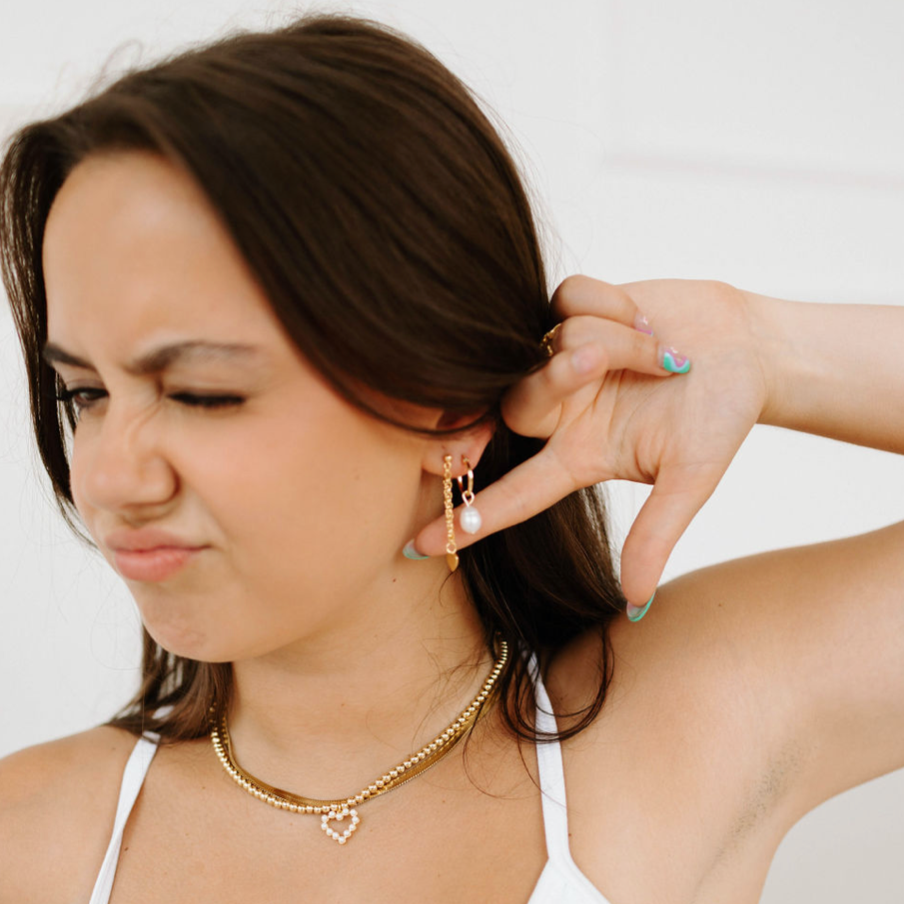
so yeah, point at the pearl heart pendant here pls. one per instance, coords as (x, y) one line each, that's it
(339, 816)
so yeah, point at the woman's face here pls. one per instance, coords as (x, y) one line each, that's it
(301, 501)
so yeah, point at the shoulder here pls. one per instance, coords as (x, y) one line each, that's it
(57, 805)
(775, 679)
(685, 754)
(682, 648)
(695, 713)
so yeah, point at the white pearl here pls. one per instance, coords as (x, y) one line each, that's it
(470, 520)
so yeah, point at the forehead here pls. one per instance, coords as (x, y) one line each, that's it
(135, 254)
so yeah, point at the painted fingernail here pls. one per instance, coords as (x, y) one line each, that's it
(671, 360)
(411, 553)
(636, 613)
(641, 323)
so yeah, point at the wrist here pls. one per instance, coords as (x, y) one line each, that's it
(831, 369)
(778, 331)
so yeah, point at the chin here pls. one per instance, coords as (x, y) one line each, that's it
(188, 641)
(182, 624)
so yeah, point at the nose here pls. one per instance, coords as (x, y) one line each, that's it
(119, 464)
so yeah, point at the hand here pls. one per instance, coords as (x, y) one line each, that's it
(625, 417)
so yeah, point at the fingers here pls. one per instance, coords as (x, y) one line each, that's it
(676, 498)
(586, 347)
(531, 487)
(533, 405)
(623, 347)
(579, 294)
(599, 331)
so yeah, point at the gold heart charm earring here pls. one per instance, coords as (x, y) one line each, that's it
(451, 554)
(470, 518)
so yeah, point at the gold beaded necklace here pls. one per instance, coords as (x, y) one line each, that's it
(340, 810)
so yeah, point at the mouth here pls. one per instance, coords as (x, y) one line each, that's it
(154, 564)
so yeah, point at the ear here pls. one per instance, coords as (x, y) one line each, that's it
(469, 445)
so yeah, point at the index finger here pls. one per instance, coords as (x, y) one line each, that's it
(523, 492)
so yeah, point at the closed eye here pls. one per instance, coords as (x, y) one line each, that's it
(200, 401)
(85, 397)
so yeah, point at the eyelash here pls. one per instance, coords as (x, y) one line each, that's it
(187, 398)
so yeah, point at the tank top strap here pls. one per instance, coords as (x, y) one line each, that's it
(551, 774)
(132, 779)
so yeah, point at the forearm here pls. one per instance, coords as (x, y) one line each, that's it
(835, 370)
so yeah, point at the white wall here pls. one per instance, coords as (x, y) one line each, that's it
(761, 144)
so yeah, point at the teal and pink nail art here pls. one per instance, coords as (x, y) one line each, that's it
(642, 324)
(671, 360)
(636, 613)
(411, 553)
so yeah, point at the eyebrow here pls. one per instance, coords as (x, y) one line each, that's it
(159, 359)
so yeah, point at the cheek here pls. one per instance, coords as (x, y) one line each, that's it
(321, 500)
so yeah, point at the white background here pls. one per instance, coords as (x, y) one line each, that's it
(761, 144)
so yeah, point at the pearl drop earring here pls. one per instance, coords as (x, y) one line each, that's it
(470, 518)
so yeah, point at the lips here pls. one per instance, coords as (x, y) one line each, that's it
(153, 564)
(151, 553)
(147, 538)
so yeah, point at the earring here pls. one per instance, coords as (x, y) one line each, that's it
(470, 518)
(451, 555)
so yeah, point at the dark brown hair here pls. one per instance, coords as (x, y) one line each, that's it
(344, 158)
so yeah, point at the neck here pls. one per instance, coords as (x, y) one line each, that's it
(327, 715)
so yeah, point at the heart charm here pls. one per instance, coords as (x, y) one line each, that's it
(339, 816)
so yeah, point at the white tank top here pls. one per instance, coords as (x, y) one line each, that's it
(561, 881)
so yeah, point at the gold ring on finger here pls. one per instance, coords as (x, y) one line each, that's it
(547, 340)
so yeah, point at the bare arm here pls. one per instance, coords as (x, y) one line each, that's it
(821, 626)
(835, 370)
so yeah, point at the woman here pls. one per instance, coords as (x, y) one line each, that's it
(278, 297)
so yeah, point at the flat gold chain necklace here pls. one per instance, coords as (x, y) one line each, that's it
(339, 810)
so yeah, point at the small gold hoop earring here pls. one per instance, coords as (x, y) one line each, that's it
(469, 519)
(451, 554)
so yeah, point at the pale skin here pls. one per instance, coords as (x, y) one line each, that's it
(723, 725)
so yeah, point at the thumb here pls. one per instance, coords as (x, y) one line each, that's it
(676, 498)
